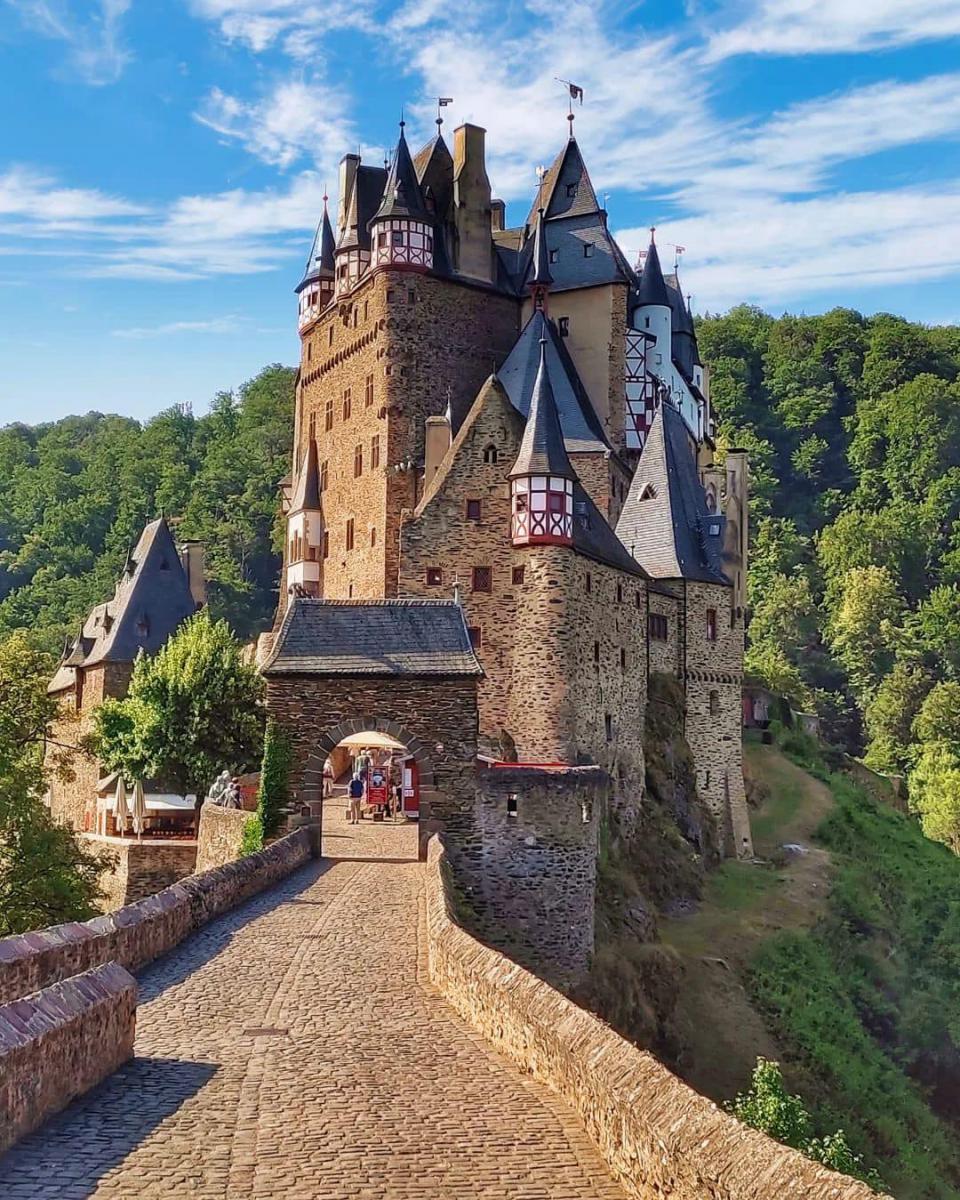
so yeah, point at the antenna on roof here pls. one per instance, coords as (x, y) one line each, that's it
(574, 92)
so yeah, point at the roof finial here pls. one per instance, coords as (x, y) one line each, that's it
(653, 230)
(325, 196)
(402, 121)
(442, 102)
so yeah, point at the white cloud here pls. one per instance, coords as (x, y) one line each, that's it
(299, 28)
(788, 27)
(26, 192)
(97, 53)
(215, 325)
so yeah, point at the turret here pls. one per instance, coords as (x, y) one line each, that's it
(652, 310)
(305, 528)
(539, 278)
(315, 289)
(401, 230)
(542, 478)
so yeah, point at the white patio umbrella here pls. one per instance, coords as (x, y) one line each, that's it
(120, 810)
(139, 808)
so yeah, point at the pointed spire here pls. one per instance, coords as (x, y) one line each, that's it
(401, 195)
(306, 495)
(542, 450)
(653, 287)
(540, 277)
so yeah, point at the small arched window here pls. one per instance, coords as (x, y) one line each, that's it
(490, 453)
(714, 703)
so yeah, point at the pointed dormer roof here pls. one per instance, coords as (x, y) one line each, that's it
(539, 272)
(320, 260)
(306, 495)
(652, 288)
(401, 194)
(350, 234)
(567, 190)
(665, 523)
(542, 450)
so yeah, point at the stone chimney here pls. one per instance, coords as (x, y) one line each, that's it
(498, 216)
(191, 556)
(438, 437)
(472, 206)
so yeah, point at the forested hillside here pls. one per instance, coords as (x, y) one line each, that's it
(853, 425)
(76, 493)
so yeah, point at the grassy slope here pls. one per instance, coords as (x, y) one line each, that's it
(841, 964)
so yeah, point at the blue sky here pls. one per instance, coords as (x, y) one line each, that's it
(162, 164)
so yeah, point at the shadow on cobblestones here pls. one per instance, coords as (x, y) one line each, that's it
(212, 940)
(73, 1151)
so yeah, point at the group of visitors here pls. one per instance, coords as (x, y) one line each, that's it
(373, 786)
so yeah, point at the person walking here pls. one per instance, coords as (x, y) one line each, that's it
(356, 796)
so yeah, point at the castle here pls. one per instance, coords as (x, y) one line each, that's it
(519, 418)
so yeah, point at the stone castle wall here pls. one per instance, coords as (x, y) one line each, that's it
(435, 717)
(529, 874)
(137, 934)
(134, 870)
(713, 684)
(70, 797)
(666, 656)
(657, 1135)
(220, 836)
(58, 1043)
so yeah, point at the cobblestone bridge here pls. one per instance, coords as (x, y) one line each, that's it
(295, 1048)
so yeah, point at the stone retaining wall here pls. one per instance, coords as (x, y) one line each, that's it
(138, 933)
(220, 836)
(658, 1136)
(59, 1043)
(137, 869)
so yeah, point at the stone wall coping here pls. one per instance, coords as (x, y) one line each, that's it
(138, 933)
(658, 1136)
(110, 840)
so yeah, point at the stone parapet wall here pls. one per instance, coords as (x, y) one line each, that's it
(60, 1042)
(220, 836)
(658, 1136)
(529, 873)
(134, 870)
(138, 933)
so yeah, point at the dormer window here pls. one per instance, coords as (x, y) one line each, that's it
(588, 250)
(563, 325)
(143, 626)
(554, 255)
(571, 190)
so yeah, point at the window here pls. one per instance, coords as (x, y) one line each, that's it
(596, 652)
(588, 583)
(639, 599)
(706, 779)
(714, 703)
(586, 811)
(366, 313)
(571, 190)
(373, 535)
(517, 576)
(619, 593)
(368, 392)
(396, 237)
(490, 454)
(711, 624)
(659, 627)
(350, 533)
(347, 404)
(326, 543)
(483, 579)
(588, 249)
(324, 475)
(434, 577)
(554, 255)
(513, 801)
(563, 324)
(328, 416)
(357, 461)
(375, 452)
(411, 296)
(473, 510)
(476, 639)
(309, 351)
(623, 660)
(608, 727)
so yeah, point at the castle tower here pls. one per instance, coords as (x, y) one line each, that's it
(542, 479)
(402, 227)
(315, 289)
(652, 310)
(305, 529)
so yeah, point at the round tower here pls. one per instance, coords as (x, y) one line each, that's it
(542, 478)
(305, 529)
(652, 313)
(401, 230)
(315, 289)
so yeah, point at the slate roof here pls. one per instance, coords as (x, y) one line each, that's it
(538, 272)
(567, 173)
(652, 288)
(594, 538)
(320, 258)
(581, 427)
(401, 195)
(542, 450)
(306, 495)
(362, 203)
(683, 342)
(372, 637)
(150, 601)
(665, 522)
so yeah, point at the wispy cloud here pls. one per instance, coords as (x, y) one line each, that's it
(30, 193)
(788, 27)
(96, 51)
(215, 325)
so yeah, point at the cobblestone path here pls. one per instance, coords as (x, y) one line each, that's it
(295, 1049)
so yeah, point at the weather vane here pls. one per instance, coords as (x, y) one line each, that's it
(574, 92)
(442, 102)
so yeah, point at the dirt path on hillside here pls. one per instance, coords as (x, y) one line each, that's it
(744, 904)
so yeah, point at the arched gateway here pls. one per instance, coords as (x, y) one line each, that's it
(404, 668)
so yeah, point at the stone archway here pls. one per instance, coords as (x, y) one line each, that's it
(311, 788)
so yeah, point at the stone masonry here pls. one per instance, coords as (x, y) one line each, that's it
(134, 870)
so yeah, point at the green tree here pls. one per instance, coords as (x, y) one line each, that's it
(935, 793)
(864, 627)
(192, 710)
(45, 876)
(273, 797)
(890, 718)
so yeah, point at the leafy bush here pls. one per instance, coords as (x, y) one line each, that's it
(273, 796)
(252, 839)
